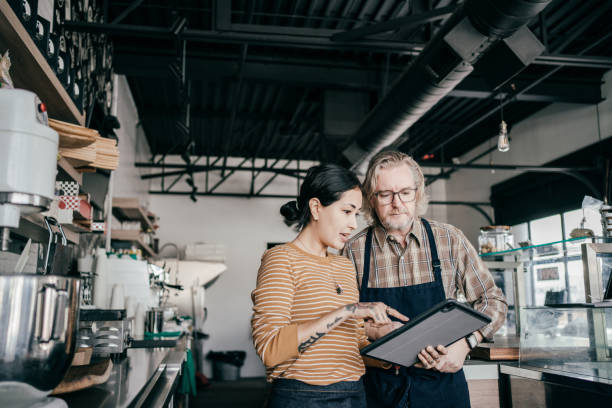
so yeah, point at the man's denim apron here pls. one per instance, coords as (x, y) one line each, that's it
(413, 387)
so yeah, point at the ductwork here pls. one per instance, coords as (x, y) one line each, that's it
(440, 67)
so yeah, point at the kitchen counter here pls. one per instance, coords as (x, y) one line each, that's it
(145, 375)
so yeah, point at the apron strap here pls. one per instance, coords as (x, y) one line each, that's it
(366, 260)
(435, 262)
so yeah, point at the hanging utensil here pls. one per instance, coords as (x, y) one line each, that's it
(53, 258)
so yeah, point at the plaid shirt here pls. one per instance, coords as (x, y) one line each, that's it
(462, 270)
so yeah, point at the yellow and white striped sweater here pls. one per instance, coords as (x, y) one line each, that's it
(295, 287)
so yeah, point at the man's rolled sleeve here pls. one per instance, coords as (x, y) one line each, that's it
(479, 286)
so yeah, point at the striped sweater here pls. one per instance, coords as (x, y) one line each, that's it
(294, 287)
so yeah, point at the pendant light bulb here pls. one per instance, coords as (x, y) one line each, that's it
(503, 144)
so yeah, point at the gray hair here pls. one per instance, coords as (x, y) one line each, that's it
(389, 159)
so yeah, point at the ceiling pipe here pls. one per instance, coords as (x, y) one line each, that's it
(440, 67)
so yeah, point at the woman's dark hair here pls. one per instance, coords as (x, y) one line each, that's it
(327, 182)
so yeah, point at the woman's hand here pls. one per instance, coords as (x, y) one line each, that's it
(376, 331)
(376, 312)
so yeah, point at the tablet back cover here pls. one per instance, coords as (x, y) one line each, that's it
(444, 324)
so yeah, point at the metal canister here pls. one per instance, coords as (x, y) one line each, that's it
(154, 322)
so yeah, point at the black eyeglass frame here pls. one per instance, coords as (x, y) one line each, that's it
(393, 193)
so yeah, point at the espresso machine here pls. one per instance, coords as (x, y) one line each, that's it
(38, 310)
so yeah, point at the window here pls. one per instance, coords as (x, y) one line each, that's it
(547, 229)
(573, 220)
(552, 277)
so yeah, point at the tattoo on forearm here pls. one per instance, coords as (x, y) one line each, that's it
(302, 347)
(332, 324)
(351, 308)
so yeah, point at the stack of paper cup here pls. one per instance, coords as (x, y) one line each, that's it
(139, 318)
(117, 297)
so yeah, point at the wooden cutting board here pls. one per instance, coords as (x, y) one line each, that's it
(82, 356)
(73, 136)
(80, 377)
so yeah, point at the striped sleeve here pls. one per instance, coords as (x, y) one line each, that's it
(480, 289)
(275, 339)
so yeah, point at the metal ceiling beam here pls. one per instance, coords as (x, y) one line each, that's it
(272, 37)
(213, 188)
(329, 76)
(587, 61)
(397, 23)
(203, 168)
(237, 195)
(311, 38)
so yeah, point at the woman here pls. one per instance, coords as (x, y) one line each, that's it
(307, 322)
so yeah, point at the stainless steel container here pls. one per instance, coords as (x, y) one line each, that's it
(38, 327)
(154, 322)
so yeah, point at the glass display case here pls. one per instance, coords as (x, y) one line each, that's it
(565, 359)
(569, 271)
(569, 340)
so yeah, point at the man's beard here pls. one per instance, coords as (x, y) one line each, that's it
(397, 225)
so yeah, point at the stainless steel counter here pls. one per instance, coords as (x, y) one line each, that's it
(144, 375)
(576, 372)
(533, 387)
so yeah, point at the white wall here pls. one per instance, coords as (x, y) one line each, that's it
(133, 145)
(553, 132)
(244, 226)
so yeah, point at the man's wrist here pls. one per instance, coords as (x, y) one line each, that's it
(471, 340)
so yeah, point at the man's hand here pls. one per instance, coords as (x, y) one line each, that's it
(444, 359)
(376, 331)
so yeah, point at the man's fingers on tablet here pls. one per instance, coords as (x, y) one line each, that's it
(423, 360)
(433, 353)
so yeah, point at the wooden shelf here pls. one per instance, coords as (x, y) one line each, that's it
(133, 236)
(31, 71)
(67, 171)
(76, 228)
(126, 209)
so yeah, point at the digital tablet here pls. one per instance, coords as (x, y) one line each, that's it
(445, 323)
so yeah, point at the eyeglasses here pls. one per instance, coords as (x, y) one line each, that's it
(405, 195)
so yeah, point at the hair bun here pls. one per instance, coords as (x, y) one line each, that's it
(290, 212)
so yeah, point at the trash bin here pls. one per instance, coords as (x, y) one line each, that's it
(226, 364)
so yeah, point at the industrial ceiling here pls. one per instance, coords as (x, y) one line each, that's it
(273, 79)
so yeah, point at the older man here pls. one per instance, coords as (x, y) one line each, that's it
(411, 264)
